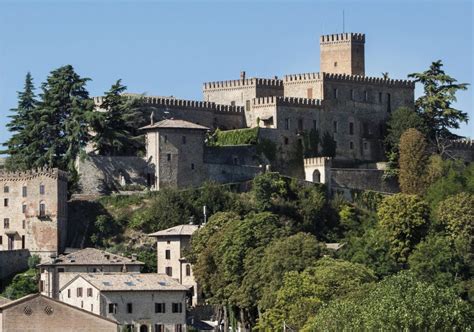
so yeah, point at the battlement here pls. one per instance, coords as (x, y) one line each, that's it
(183, 103)
(318, 161)
(286, 101)
(53, 173)
(347, 78)
(343, 37)
(462, 144)
(258, 82)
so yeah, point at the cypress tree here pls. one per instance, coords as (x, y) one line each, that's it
(413, 161)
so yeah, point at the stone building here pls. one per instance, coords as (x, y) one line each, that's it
(62, 269)
(38, 313)
(171, 244)
(137, 301)
(33, 211)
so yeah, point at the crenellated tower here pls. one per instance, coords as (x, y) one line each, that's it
(343, 53)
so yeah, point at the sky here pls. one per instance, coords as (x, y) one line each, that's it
(172, 47)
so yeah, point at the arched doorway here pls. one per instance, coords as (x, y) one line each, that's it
(144, 328)
(316, 176)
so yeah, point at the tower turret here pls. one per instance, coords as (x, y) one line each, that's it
(343, 53)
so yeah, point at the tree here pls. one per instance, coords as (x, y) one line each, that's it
(328, 145)
(62, 129)
(303, 294)
(435, 106)
(400, 121)
(456, 213)
(266, 188)
(115, 127)
(413, 160)
(397, 303)
(404, 221)
(22, 284)
(20, 125)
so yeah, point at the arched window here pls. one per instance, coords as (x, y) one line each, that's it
(316, 176)
(188, 270)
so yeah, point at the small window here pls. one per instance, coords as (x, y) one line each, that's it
(179, 328)
(365, 146)
(335, 93)
(232, 103)
(60, 269)
(92, 307)
(168, 156)
(380, 97)
(168, 254)
(23, 242)
(42, 209)
(24, 191)
(41, 286)
(69, 293)
(6, 223)
(42, 191)
(177, 307)
(235, 160)
(160, 308)
(335, 64)
(166, 139)
(82, 304)
(300, 124)
(112, 308)
(352, 94)
(159, 328)
(286, 140)
(309, 93)
(89, 292)
(192, 165)
(315, 124)
(188, 270)
(169, 271)
(23, 224)
(79, 292)
(5, 202)
(389, 101)
(6, 189)
(1, 240)
(23, 208)
(335, 126)
(351, 145)
(351, 128)
(183, 139)
(129, 308)
(287, 124)
(366, 96)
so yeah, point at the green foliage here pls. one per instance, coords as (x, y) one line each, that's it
(413, 160)
(435, 105)
(367, 199)
(267, 148)
(328, 145)
(33, 261)
(456, 214)
(234, 137)
(116, 128)
(22, 284)
(397, 303)
(401, 120)
(303, 294)
(311, 143)
(266, 188)
(404, 221)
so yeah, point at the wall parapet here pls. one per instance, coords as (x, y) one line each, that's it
(184, 103)
(54, 173)
(286, 101)
(343, 37)
(259, 82)
(318, 161)
(462, 144)
(347, 78)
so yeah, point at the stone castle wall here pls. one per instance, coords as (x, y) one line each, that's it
(345, 179)
(12, 262)
(343, 53)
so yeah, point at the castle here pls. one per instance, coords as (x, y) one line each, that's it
(339, 103)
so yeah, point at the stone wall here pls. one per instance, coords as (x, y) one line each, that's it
(345, 179)
(101, 174)
(232, 173)
(343, 53)
(246, 155)
(12, 262)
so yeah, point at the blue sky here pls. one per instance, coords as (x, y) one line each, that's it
(171, 48)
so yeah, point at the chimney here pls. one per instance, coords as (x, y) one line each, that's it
(134, 257)
(152, 118)
(242, 75)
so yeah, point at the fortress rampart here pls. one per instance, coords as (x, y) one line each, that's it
(258, 82)
(343, 37)
(286, 101)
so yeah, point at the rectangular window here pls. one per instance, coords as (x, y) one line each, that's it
(168, 254)
(112, 308)
(160, 308)
(351, 145)
(287, 124)
(365, 146)
(380, 97)
(60, 269)
(352, 94)
(129, 308)
(179, 328)
(177, 307)
(169, 271)
(351, 128)
(5, 202)
(168, 156)
(89, 292)
(247, 105)
(23, 224)
(42, 191)
(188, 270)
(41, 286)
(24, 191)
(300, 124)
(92, 307)
(232, 103)
(286, 140)
(366, 96)
(6, 223)
(335, 93)
(69, 293)
(23, 242)
(42, 211)
(315, 124)
(183, 139)
(389, 101)
(79, 292)
(1, 240)
(310, 93)
(6, 189)
(23, 208)
(335, 126)
(192, 166)
(159, 328)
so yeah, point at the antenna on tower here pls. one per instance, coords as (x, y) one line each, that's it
(343, 22)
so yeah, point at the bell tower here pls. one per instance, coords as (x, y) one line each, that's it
(343, 54)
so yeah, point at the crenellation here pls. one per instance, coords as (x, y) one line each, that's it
(341, 37)
(317, 161)
(248, 82)
(285, 101)
(462, 144)
(53, 173)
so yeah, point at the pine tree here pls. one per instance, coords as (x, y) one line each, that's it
(63, 119)
(115, 128)
(24, 117)
(435, 106)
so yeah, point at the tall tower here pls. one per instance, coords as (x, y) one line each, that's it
(343, 54)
